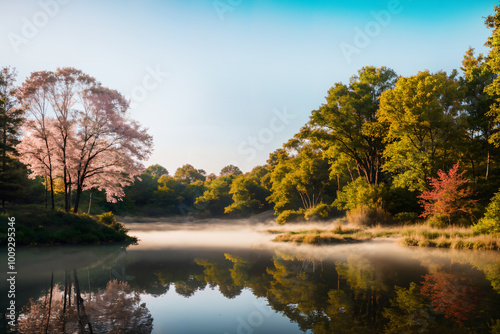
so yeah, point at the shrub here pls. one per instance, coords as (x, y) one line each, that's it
(360, 194)
(438, 221)
(486, 226)
(490, 223)
(311, 239)
(365, 216)
(319, 212)
(109, 219)
(406, 217)
(290, 215)
(410, 241)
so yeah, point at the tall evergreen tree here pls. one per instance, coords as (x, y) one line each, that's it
(11, 170)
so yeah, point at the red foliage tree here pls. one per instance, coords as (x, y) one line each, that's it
(449, 195)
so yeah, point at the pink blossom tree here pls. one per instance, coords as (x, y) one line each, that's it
(91, 143)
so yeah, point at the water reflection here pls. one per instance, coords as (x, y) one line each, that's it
(354, 289)
(117, 309)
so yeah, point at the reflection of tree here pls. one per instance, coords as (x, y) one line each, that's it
(115, 310)
(493, 275)
(410, 312)
(451, 295)
(239, 271)
(340, 317)
(218, 274)
(189, 287)
(296, 291)
(367, 289)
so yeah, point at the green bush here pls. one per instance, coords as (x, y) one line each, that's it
(490, 223)
(406, 217)
(438, 221)
(319, 212)
(361, 194)
(290, 215)
(109, 219)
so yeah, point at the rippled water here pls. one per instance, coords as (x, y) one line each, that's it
(227, 277)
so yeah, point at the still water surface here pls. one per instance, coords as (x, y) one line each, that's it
(229, 278)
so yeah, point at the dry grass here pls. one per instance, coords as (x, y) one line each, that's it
(421, 235)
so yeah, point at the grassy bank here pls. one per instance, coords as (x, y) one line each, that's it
(410, 235)
(39, 226)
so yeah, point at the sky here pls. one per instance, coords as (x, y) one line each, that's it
(220, 82)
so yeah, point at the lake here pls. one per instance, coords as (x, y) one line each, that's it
(228, 277)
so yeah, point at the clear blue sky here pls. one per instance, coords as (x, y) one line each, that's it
(233, 65)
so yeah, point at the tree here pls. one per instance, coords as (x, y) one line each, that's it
(217, 195)
(300, 180)
(11, 116)
(230, 169)
(420, 115)
(249, 193)
(347, 122)
(38, 145)
(156, 171)
(448, 197)
(490, 223)
(493, 62)
(94, 142)
(480, 122)
(190, 174)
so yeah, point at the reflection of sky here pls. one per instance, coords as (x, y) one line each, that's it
(208, 311)
(226, 76)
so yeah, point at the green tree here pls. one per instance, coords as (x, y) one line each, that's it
(216, 196)
(493, 62)
(300, 180)
(156, 171)
(249, 194)
(420, 114)
(230, 169)
(347, 125)
(481, 124)
(190, 174)
(12, 172)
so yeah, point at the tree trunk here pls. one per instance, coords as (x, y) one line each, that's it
(77, 201)
(50, 302)
(46, 192)
(82, 316)
(64, 304)
(90, 202)
(488, 161)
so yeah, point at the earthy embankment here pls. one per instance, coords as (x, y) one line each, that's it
(40, 226)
